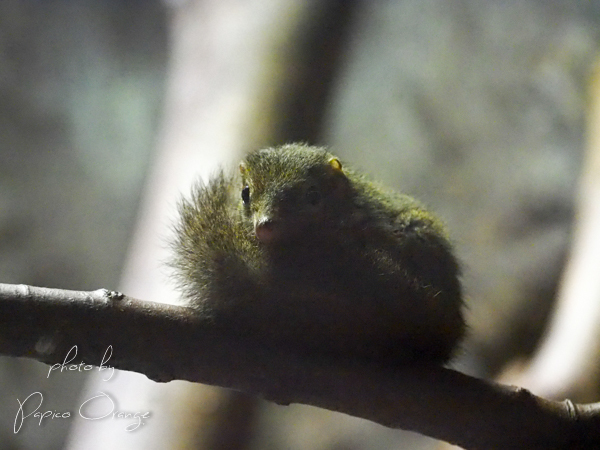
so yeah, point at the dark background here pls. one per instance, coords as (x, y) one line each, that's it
(476, 108)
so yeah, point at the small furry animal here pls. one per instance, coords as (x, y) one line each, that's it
(299, 251)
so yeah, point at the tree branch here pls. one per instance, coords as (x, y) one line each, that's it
(167, 342)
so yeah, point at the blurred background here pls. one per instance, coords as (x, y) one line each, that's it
(109, 111)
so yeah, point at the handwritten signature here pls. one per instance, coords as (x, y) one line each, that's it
(72, 354)
(138, 416)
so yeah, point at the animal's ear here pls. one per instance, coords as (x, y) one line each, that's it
(334, 168)
(338, 178)
(335, 164)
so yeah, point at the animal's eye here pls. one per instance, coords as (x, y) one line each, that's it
(313, 196)
(246, 195)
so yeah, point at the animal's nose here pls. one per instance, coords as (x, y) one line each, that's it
(266, 230)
